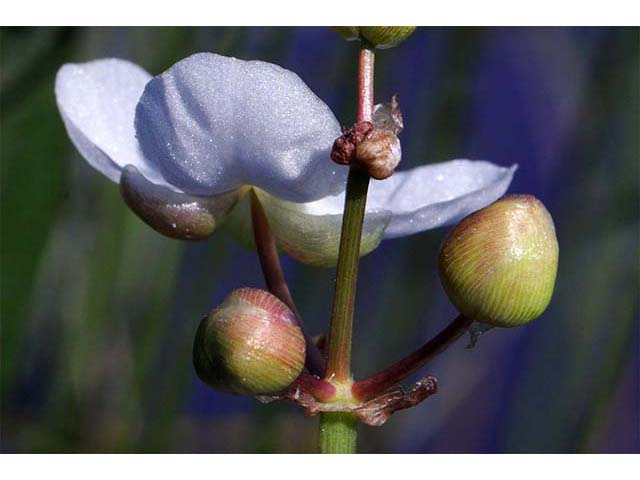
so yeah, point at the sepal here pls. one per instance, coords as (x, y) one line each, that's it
(310, 232)
(176, 215)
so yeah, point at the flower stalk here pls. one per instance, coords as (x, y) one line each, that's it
(275, 280)
(321, 390)
(370, 387)
(340, 333)
(339, 361)
(338, 430)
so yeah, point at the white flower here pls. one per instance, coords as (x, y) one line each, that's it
(185, 145)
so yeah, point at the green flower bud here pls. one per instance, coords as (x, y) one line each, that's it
(348, 33)
(499, 264)
(386, 37)
(379, 37)
(249, 345)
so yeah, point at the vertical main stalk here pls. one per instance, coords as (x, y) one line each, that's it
(338, 429)
(339, 361)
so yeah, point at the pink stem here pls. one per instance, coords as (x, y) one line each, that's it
(365, 85)
(321, 390)
(390, 376)
(275, 280)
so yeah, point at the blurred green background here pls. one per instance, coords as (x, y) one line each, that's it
(98, 312)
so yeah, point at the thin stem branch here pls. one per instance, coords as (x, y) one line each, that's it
(275, 280)
(390, 376)
(320, 389)
(339, 361)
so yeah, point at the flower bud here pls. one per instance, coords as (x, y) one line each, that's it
(379, 37)
(348, 33)
(249, 345)
(386, 37)
(379, 154)
(499, 264)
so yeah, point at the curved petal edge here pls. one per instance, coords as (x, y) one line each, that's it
(97, 103)
(310, 232)
(214, 123)
(439, 194)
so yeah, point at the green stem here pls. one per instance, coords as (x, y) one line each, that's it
(337, 432)
(339, 361)
(339, 348)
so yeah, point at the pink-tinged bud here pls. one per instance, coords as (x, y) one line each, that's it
(250, 345)
(379, 154)
(499, 264)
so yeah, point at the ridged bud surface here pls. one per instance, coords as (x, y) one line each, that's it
(348, 33)
(249, 345)
(499, 264)
(386, 37)
(379, 37)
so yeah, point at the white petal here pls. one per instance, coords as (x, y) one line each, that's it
(310, 232)
(439, 194)
(97, 102)
(214, 123)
